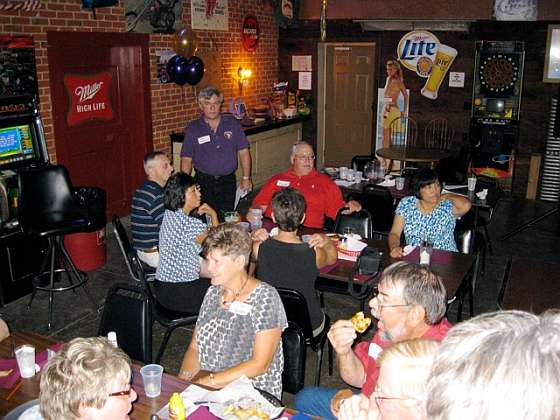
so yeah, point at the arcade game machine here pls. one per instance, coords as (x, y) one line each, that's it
(494, 126)
(22, 144)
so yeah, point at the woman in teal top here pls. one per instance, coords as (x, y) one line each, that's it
(427, 215)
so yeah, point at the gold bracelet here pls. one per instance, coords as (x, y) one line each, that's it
(212, 380)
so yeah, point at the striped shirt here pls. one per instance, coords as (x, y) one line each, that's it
(146, 215)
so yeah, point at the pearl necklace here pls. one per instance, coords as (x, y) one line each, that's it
(235, 295)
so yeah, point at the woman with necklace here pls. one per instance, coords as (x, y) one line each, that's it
(240, 324)
(428, 215)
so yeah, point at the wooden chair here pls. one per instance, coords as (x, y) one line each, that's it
(404, 132)
(438, 134)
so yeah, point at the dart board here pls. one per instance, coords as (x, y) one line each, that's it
(498, 74)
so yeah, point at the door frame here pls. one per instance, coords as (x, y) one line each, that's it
(322, 89)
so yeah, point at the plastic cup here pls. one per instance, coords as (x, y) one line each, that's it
(399, 183)
(25, 356)
(245, 225)
(471, 183)
(343, 172)
(358, 176)
(151, 376)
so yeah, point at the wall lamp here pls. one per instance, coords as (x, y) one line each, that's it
(243, 75)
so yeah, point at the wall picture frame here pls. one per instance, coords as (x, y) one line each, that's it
(552, 57)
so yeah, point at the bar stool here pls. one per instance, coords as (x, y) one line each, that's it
(49, 209)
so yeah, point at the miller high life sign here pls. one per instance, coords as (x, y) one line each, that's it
(89, 97)
(421, 52)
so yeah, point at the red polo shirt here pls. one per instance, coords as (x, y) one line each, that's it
(368, 352)
(322, 195)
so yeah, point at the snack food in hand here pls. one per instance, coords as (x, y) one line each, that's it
(176, 407)
(245, 413)
(360, 322)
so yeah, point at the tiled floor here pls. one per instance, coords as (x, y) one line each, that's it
(74, 315)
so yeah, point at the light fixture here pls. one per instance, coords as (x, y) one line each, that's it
(243, 75)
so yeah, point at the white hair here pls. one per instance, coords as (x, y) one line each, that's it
(500, 365)
(296, 145)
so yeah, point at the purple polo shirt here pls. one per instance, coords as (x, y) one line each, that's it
(214, 153)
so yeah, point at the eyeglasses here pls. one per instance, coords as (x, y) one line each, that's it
(208, 103)
(375, 295)
(380, 398)
(312, 157)
(121, 393)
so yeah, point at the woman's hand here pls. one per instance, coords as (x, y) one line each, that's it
(396, 252)
(259, 235)
(318, 240)
(206, 209)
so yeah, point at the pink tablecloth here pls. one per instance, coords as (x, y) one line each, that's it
(6, 364)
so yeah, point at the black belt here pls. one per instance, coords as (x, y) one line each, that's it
(201, 174)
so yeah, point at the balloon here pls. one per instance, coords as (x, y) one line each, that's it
(195, 70)
(177, 68)
(185, 42)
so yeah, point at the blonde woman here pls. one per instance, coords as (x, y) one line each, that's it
(401, 391)
(394, 86)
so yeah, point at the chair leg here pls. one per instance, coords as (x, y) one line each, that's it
(79, 276)
(319, 363)
(46, 259)
(488, 240)
(163, 345)
(51, 285)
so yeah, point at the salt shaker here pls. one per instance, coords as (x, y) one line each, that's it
(425, 252)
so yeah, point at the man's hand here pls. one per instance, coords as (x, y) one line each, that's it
(246, 184)
(352, 206)
(341, 335)
(358, 407)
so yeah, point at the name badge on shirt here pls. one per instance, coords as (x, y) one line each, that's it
(281, 183)
(203, 139)
(240, 308)
(374, 350)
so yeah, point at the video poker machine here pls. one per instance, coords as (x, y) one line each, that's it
(22, 144)
(494, 126)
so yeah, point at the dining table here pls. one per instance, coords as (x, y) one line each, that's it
(458, 272)
(24, 390)
(415, 154)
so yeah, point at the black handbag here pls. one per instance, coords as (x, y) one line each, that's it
(368, 263)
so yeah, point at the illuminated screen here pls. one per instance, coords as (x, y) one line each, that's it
(16, 144)
(495, 105)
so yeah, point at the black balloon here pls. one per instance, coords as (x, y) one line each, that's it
(195, 70)
(178, 69)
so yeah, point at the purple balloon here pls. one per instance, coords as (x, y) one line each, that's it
(177, 68)
(195, 70)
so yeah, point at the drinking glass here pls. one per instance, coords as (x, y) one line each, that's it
(151, 376)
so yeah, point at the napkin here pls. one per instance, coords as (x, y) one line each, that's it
(5, 364)
(482, 194)
(239, 393)
(387, 183)
(343, 183)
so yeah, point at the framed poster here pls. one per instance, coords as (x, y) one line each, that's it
(209, 14)
(381, 113)
(552, 58)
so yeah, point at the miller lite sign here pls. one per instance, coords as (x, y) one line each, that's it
(421, 51)
(416, 51)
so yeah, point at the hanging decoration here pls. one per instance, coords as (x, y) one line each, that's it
(177, 69)
(195, 70)
(324, 21)
(185, 42)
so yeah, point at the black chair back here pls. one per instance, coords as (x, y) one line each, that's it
(293, 343)
(48, 205)
(360, 222)
(359, 162)
(296, 309)
(127, 312)
(130, 257)
(379, 202)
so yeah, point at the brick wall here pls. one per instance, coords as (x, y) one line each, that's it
(172, 105)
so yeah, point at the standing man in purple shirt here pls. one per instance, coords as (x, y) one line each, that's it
(213, 145)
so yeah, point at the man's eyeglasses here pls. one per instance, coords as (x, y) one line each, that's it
(121, 393)
(375, 295)
(312, 157)
(208, 103)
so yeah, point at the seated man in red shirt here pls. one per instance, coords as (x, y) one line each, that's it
(410, 302)
(322, 195)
